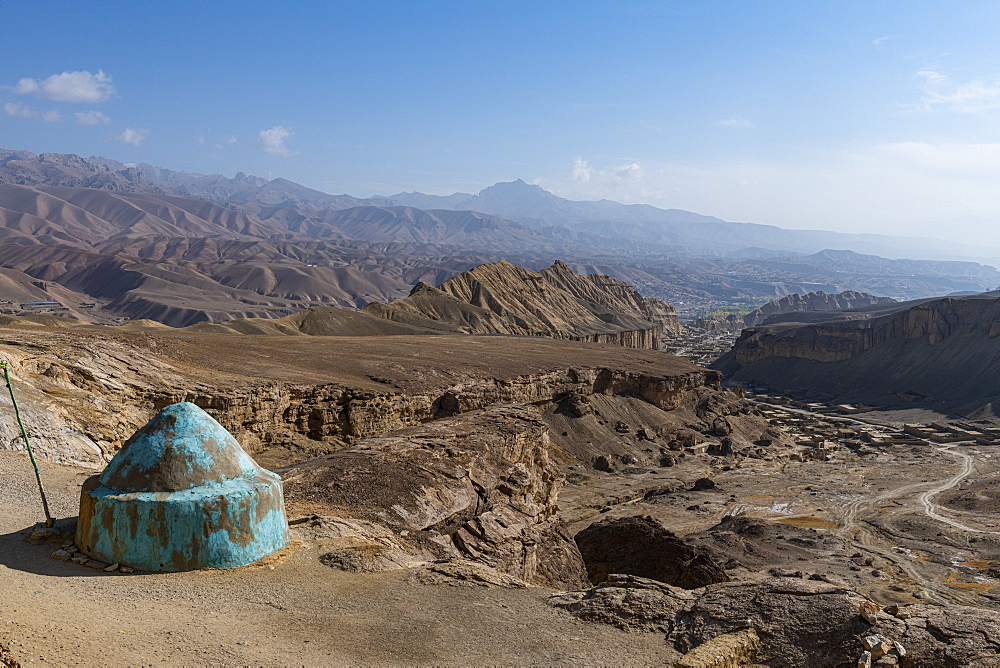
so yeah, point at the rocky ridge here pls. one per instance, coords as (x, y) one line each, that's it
(813, 301)
(945, 349)
(798, 622)
(502, 298)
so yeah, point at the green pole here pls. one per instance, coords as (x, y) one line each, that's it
(49, 522)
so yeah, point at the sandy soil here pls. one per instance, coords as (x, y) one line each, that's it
(294, 611)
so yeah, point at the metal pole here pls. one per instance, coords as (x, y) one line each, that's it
(49, 522)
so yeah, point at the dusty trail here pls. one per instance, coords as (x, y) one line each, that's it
(968, 465)
(861, 534)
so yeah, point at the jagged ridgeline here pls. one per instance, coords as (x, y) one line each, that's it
(502, 298)
(497, 298)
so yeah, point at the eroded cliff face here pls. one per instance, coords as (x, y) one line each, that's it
(479, 486)
(813, 301)
(834, 341)
(82, 398)
(947, 349)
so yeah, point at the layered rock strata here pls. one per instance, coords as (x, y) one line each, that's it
(948, 349)
(480, 486)
(502, 298)
(798, 622)
(814, 301)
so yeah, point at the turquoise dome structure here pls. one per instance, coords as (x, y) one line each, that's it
(180, 495)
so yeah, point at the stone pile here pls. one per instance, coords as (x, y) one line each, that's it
(70, 552)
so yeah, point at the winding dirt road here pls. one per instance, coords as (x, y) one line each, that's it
(864, 535)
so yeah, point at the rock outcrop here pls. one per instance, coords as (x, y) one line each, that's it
(798, 622)
(641, 546)
(502, 298)
(82, 392)
(948, 349)
(813, 301)
(479, 486)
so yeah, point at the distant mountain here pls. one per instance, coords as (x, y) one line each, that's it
(137, 216)
(530, 203)
(652, 229)
(55, 169)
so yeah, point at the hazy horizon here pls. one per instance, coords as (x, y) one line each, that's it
(847, 117)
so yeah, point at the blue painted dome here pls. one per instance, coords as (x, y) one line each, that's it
(182, 494)
(182, 447)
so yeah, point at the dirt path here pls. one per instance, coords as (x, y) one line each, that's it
(863, 535)
(931, 508)
(292, 612)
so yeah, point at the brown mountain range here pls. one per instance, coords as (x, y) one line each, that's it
(502, 298)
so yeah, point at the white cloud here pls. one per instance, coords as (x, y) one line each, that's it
(81, 86)
(630, 172)
(18, 110)
(229, 141)
(92, 118)
(735, 122)
(878, 41)
(581, 170)
(274, 140)
(610, 180)
(132, 136)
(53, 116)
(940, 93)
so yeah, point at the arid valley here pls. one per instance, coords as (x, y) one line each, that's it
(460, 334)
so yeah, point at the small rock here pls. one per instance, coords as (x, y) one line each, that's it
(112, 568)
(95, 564)
(80, 558)
(865, 660)
(779, 572)
(604, 463)
(629, 459)
(869, 611)
(125, 569)
(578, 405)
(61, 555)
(887, 661)
(881, 649)
(40, 534)
(876, 573)
(702, 484)
(900, 650)
(621, 427)
(870, 642)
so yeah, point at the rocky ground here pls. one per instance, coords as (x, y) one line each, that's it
(456, 498)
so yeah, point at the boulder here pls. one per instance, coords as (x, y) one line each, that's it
(641, 546)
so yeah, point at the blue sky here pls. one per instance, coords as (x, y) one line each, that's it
(854, 116)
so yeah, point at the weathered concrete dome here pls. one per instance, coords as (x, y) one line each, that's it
(182, 494)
